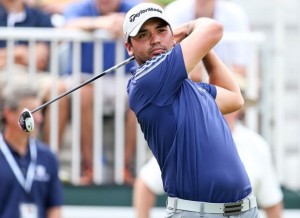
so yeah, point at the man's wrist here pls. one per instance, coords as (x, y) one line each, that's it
(189, 28)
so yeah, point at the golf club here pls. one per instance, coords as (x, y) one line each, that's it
(26, 121)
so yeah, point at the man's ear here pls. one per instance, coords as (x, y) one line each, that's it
(6, 114)
(129, 48)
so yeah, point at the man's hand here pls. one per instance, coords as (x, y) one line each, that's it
(21, 56)
(181, 32)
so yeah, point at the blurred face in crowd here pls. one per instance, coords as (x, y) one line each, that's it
(205, 8)
(154, 38)
(108, 6)
(12, 115)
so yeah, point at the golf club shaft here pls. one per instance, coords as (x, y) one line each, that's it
(83, 84)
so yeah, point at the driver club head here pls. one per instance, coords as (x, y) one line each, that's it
(26, 121)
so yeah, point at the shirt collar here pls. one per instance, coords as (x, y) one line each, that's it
(133, 69)
(13, 151)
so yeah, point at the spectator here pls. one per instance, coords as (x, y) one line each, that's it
(50, 6)
(257, 158)
(29, 181)
(18, 14)
(231, 15)
(234, 55)
(91, 15)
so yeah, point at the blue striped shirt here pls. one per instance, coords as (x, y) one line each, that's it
(186, 132)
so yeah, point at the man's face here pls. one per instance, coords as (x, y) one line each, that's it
(154, 38)
(12, 116)
(107, 6)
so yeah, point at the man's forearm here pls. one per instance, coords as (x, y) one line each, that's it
(108, 22)
(182, 31)
(197, 37)
(219, 73)
(274, 211)
(83, 23)
(229, 97)
(21, 55)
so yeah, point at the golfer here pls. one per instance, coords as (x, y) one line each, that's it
(182, 121)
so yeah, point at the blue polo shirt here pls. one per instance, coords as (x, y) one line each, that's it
(88, 8)
(46, 190)
(34, 18)
(186, 132)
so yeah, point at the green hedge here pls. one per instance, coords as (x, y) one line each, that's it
(121, 195)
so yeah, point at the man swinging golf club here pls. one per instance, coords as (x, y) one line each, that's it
(182, 121)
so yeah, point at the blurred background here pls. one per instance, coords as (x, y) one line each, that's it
(100, 152)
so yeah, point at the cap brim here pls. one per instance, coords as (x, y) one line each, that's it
(137, 28)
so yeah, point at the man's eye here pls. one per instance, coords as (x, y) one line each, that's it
(162, 30)
(143, 35)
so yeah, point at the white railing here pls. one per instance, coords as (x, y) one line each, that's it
(56, 37)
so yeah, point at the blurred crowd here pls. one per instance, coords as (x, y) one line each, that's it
(91, 15)
(87, 15)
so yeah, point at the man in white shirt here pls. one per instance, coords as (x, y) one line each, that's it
(230, 15)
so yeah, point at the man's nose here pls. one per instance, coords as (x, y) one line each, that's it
(155, 38)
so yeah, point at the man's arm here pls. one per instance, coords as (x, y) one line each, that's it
(274, 211)
(112, 23)
(54, 212)
(143, 198)
(21, 56)
(197, 38)
(229, 97)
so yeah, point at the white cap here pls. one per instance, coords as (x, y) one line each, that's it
(138, 15)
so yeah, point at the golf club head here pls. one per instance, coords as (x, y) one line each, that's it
(26, 121)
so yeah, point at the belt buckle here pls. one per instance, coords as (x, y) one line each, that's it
(232, 209)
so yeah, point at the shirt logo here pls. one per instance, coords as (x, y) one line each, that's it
(41, 174)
